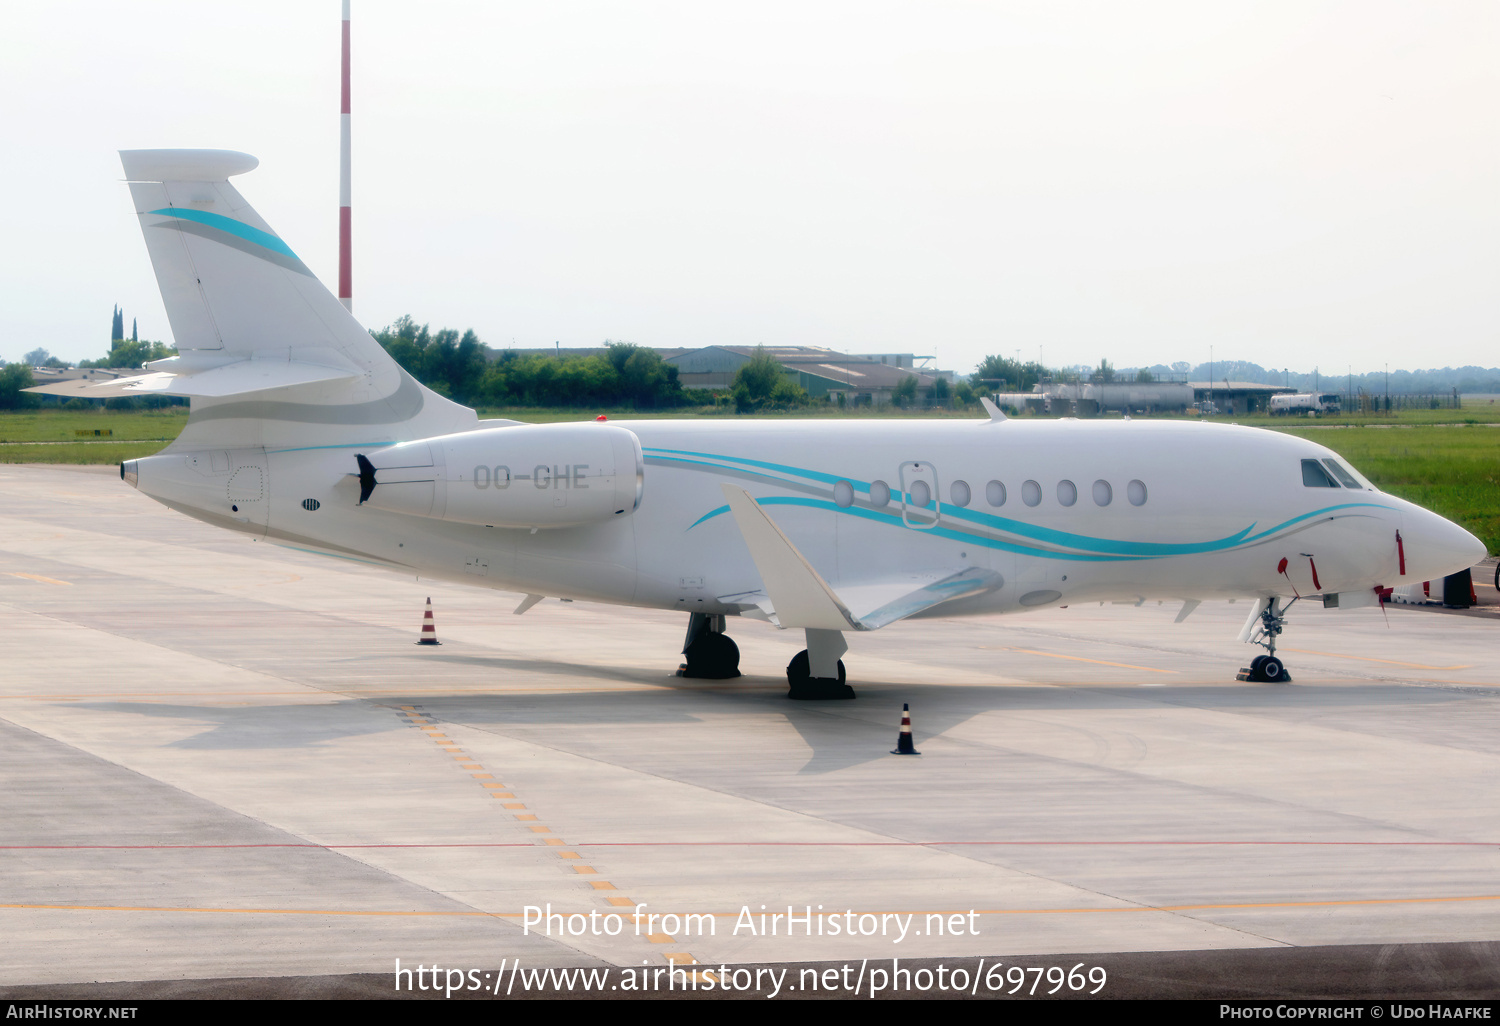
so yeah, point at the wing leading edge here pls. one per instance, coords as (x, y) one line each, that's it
(799, 597)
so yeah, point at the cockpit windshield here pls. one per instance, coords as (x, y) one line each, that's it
(1314, 476)
(1345, 478)
(1331, 473)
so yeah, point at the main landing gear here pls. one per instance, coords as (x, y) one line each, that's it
(710, 653)
(1268, 669)
(817, 673)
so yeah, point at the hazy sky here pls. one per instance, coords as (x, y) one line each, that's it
(1295, 183)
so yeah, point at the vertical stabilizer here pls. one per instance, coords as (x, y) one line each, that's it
(234, 291)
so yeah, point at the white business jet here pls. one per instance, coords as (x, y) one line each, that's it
(303, 431)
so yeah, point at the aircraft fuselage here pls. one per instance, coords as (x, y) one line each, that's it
(1059, 511)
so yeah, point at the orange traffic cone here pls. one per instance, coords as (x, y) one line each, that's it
(429, 629)
(903, 739)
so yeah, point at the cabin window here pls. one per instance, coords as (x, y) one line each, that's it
(959, 492)
(1314, 476)
(880, 494)
(921, 495)
(1103, 493)
(994, 493)
(1136, 493)
(1345, 478)
(843, 494)
(1031, 493)
(1067, 492)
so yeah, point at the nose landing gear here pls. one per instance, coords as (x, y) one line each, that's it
(1267, 669)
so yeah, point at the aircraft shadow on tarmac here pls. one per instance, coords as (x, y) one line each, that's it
(839, 735)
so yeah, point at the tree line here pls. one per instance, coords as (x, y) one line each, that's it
(458, 366)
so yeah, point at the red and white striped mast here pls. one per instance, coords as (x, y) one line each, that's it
(346, 276)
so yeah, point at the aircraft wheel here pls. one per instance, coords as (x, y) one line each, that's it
(1272, 671)
(1257, 663)
(807, 688)
(712, 657)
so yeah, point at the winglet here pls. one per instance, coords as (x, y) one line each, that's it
(996, 414)
(799, 595)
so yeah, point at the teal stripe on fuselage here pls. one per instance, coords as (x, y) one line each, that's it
(1047, 535)
(1116, 548)
(1034, 532)
(228, 224)
(891, 520)
(1315, 513)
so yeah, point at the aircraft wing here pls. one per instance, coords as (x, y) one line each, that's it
(887, 602)
(799, 597)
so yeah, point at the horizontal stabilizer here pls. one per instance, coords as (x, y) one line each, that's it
(798, 597)
(238, 378)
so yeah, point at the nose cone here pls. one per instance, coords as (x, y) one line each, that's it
(1436, 547)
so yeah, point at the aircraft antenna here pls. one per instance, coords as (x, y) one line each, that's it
(346, 277)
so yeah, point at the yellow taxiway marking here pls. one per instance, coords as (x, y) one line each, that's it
(39, 577)
(1388, 662)
(626, 902)
(1076, 659)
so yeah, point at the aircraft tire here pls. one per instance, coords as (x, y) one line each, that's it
(1272, 671)
(807, 688)
(713, 657)
(1257, 663)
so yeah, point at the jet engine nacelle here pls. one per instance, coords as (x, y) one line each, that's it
(530, 475)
